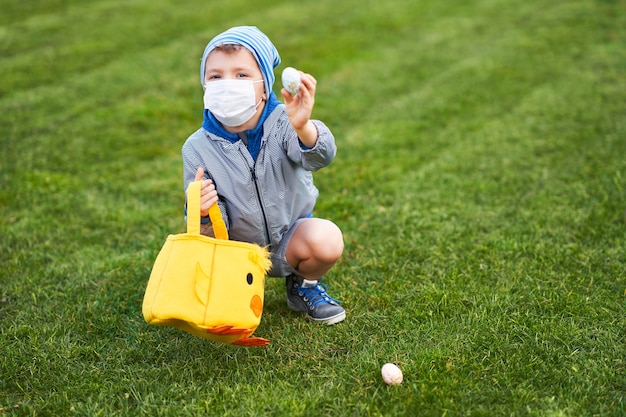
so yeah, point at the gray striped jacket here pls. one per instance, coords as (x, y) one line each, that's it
(261, 200)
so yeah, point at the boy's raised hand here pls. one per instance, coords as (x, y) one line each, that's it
(300, 107)
(208, 193)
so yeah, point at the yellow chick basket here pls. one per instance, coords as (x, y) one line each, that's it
(209, 287)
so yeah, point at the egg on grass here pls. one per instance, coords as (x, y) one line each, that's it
(392, 375)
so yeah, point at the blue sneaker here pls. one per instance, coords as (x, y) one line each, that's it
(311, 298)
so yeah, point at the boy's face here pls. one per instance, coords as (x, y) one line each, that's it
(237, 64)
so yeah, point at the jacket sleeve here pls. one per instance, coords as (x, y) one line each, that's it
(318, 156)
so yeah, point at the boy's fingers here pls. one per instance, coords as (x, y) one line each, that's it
(199, 174)
(287, 96)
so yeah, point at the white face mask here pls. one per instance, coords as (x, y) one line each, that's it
(232, 102)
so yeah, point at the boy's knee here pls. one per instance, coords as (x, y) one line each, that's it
(328, 242)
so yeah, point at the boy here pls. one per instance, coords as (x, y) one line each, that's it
(256, 156)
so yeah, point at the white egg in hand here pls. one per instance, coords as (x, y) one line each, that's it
(392, 375)
(291, 80)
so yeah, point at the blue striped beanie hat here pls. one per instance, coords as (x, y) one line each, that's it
(251, 38)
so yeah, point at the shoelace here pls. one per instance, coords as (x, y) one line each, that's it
(316, 295)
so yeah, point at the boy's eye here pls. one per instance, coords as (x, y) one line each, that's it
(213, 77)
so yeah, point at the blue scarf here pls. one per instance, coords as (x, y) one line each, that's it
(254, 136)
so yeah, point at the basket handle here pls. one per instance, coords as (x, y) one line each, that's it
(193, 213)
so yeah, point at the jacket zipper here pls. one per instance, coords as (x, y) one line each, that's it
(258, 196)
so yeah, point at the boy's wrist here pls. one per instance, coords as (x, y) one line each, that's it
(308, 134)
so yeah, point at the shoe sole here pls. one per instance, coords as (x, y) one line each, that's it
(328, 320)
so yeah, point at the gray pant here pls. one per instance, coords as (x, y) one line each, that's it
(280, 266)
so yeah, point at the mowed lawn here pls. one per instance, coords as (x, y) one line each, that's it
(480, 184)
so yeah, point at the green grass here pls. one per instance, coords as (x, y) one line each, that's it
(480, 184)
